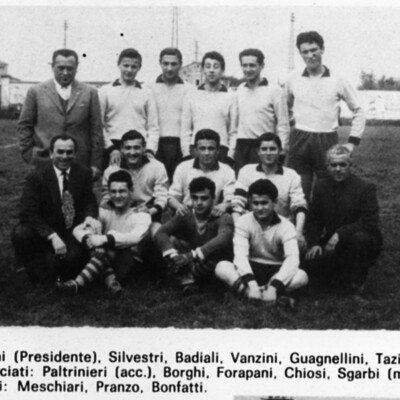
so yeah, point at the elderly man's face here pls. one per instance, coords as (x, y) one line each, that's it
(64, 69)
(339, 167)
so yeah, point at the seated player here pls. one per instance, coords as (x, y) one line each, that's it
(266, 253)
(148, 175)
(192, 244)
(207, 143)
(115, 242)
(57, 196)
(291, 201)
(343, 227)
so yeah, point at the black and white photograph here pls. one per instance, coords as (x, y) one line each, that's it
(199, 200)
(199, 167)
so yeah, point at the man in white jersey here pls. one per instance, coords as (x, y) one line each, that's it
(262, 109)
(126, 105)
(266, 253)
(213, 107)
(313, 98)
(169, 91)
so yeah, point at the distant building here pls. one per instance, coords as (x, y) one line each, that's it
(3, 68)
(192, 73)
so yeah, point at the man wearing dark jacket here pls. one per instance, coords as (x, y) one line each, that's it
(343, 229)
(56, 197)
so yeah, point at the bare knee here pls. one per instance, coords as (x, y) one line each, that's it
(226, 272)
(298, 281)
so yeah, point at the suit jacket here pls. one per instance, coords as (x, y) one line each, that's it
(41, 199)
(43, 117)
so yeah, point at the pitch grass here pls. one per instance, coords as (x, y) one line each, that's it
(148, 302)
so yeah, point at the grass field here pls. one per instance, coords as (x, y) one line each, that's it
(150, 303)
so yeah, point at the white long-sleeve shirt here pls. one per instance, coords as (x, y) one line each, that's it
(291, 197)
(223, 177)
(262, 110)
(276, 245)
(169, 101)
(203, 109)
(127, 107)
(314, 102)
(127, 229)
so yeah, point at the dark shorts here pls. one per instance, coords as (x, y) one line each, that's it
(169, 153)
(264, 272)
(307, 151)
(246, 153)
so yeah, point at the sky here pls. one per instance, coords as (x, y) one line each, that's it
(357, 37)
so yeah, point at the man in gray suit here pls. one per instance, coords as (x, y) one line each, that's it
(62, 105)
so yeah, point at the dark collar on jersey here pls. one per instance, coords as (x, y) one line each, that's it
(161, 80)
(221, 89)
(275, 219)
(196, 164)
(117, 82)
(326, 73)
(125, 165)
(279, 171)
(263, 82)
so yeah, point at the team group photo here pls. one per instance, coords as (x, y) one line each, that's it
(198, 197)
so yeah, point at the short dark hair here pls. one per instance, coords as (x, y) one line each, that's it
(171, 51)
(207, 134)
(252, 52)
(310, 37)
(269, 137)
(130, 53)
(132, 135)
(214, 55)
(263, 187)
(202, 183)
(121, 176)
(64, 137)
(64, 53)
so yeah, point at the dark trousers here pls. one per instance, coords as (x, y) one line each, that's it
(307, 155)
(169, 153)
(36, 254)
(124, 264)
(348, 265)
(246, 153)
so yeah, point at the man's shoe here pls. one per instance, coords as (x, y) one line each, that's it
(190, 289)
(114, 287)
(67, 287)
(286, 302)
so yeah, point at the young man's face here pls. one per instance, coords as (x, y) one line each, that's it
(268, 152)
(207, 152)
(202, 202)
(251, 68)
(339, 167)
(170, 67)
(63, 154)
(133, 151)
(212, 70)
(120, 195)
(262, 206)
(312, 55)
(64, 69)
(129, 67)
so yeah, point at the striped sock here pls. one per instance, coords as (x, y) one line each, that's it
(92, 269)
(109, 276)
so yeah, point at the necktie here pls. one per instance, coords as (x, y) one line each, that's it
(67, 200)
